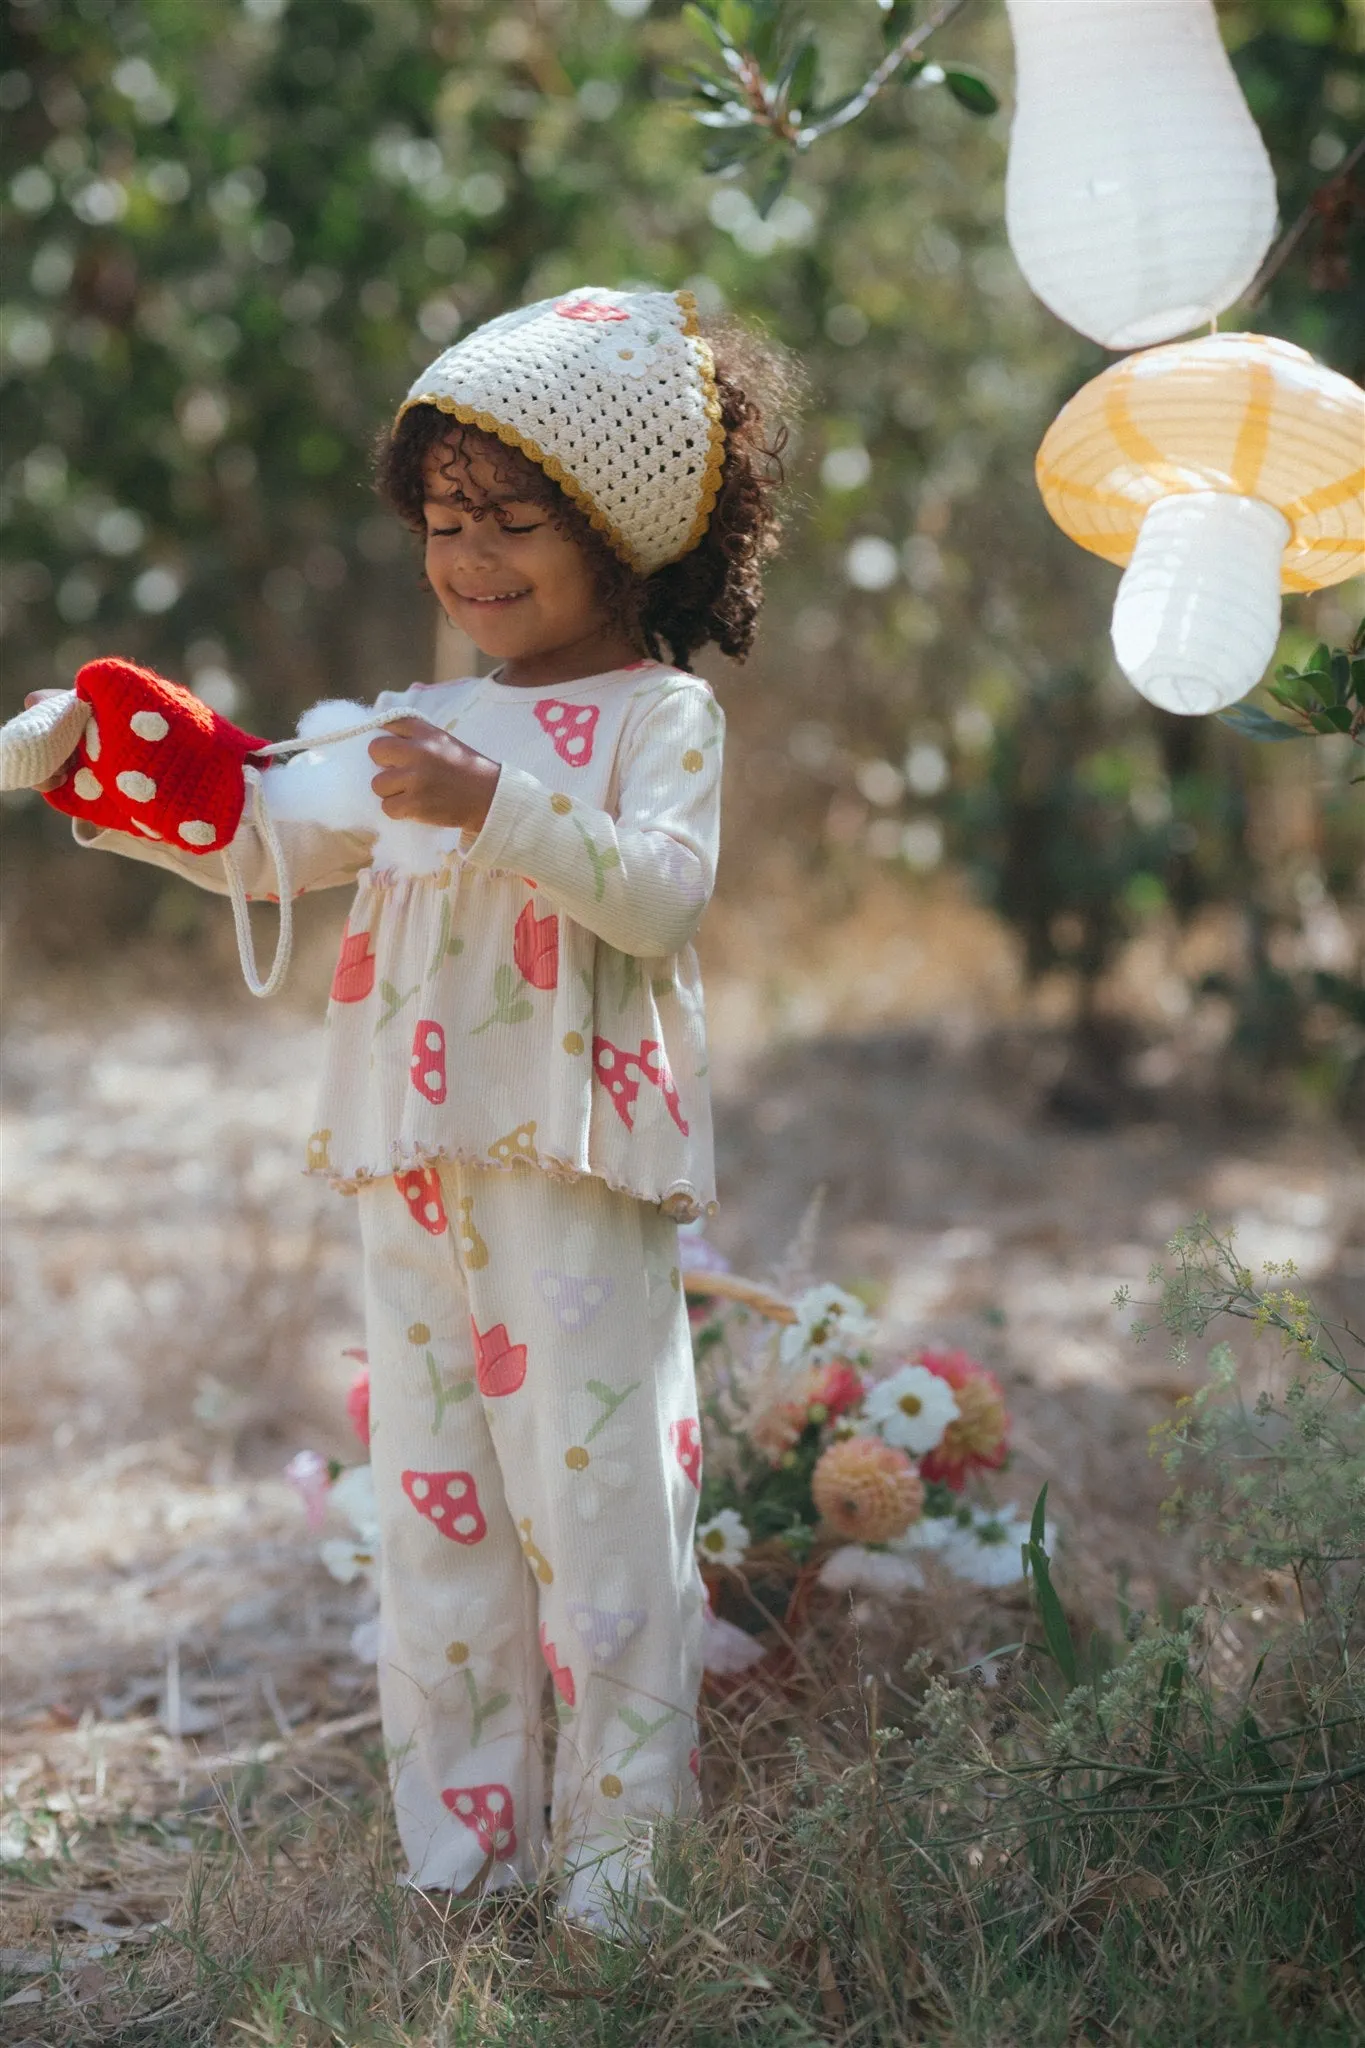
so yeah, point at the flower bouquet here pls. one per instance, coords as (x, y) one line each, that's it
(823, 1469)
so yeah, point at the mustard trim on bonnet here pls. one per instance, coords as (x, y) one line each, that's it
(513, 437)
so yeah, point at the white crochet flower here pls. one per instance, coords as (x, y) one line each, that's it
(911, 1409)
(829, 1324)
(724, 1539)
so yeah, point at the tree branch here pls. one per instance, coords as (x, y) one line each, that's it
(882, 76)
(1292, 236)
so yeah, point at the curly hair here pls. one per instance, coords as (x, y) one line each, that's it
(713, 593)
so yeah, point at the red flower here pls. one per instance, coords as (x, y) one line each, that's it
(358, 1402)
(838, 1386)
(978, 1440)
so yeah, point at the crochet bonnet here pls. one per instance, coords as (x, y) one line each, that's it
(613, 395)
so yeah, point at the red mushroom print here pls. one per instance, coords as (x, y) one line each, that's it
(685, 1437)
(535, 947)
(420, 1188)
(619, 1073)
(560, 1673)
(354, 977)
(488, 1811)
(450, 1502)
(428, 1070)
(654, 1067)
(500, 1365)
(570, 728)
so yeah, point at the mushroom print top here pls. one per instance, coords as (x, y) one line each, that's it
(535, 999)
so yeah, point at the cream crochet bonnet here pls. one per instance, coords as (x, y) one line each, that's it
(613, 394)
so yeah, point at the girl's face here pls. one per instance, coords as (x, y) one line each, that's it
(501, 568)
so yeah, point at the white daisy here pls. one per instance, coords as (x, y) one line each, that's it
(911, 1409)
(829, 1324)
(345, 1560)
(724, 1539)
(988, 1552)
(930, 1532)
(854, 1569)
(353, 1493)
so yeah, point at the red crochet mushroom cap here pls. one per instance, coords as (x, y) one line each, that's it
(155, 760)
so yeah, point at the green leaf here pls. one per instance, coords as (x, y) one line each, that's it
(971, 91)
(705, 24)
(773, 187)
(1333, 718)
(1298, 692)
(1038, 1526)
(796, 80)
(1255, 724)
(1055, 1628)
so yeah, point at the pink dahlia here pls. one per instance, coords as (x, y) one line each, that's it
(979, 1438)
(866, 1491)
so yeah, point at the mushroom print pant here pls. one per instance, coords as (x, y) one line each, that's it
(536, 1457)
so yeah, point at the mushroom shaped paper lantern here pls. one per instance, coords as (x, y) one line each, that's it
(1139, 198)
(1221, 471)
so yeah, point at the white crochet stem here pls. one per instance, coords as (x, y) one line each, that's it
(1198, 611)
(34, 745)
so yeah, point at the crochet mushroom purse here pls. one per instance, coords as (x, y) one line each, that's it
(145, 756)
(152, 759)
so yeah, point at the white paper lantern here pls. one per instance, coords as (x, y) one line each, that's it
(1139, 198)
(1198, 611)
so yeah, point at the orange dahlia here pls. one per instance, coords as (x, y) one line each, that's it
(979, 1438)
(866, 1491)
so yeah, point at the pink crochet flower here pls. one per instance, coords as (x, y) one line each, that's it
(979, 1437)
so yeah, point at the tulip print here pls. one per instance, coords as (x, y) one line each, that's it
(535, 947)
(428, 1070)
(354, 977)
(560, 1673)
(500, 1364)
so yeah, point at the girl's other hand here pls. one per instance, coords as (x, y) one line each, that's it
(430, 776)
(37, 697)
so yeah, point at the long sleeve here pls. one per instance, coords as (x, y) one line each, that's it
(639, 879)
(318, 856)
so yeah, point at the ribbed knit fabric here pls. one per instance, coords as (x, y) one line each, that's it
(536, 998)
(536, 1458)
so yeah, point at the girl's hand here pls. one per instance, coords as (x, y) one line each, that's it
(431, 776)
(53, 781)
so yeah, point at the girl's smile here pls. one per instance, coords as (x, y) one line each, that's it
(506, 574)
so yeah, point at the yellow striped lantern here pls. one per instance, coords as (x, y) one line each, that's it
(1139, 199)
(1220, 471)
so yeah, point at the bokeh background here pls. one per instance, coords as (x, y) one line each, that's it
(1020, 971)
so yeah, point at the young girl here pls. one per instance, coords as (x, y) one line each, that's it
(515, 1080)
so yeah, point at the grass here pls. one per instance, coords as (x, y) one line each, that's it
(859, 1879)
